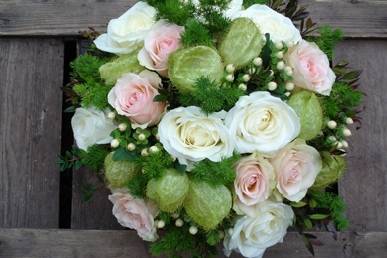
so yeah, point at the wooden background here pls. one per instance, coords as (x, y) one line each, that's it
(38, 38)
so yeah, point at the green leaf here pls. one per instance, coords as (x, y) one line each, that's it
(122, 154)
(298, 204)
(318, 216)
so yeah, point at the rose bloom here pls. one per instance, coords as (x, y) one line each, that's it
(132, 96)
(160, 42)
(296, 166)
(135, 213)
(311, 68)
(255, 179)
(262, 123)
(261, 226)
(191, 136)
(125, 33)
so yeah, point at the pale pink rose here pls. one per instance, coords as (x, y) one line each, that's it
(311, 68)
(132, 96)
(255, 179)
(135, 213)
(296, 166)
(160, 42)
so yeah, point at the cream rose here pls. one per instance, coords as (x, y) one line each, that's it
(311, 69)
(263, 123)
(280, 28)
(91, 126)
(190, 135)
(262, 225)
(133, 95)
(135, 214)
(255, 179)
(296, 166)
(160, 42)
(125, 33)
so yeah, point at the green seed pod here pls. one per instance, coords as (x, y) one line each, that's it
(113, 70)
(207, 205)
(119, 173)
(242, 43)
(307, 107)
(169, 191)
(332, 170)
(189, 64)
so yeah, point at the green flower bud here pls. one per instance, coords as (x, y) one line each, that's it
(332, 170)
(113, 70)
(189, 64)
(119, 173)
(207, 205)
(169, 191)
(307, 107)
(242, 43)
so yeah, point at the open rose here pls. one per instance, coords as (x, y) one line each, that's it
(296, 166)
(160, 42)
(255, 179)
(132, 96)
(311, 68)
(135, 214)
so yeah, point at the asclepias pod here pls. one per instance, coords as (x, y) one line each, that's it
(119, 173)
(332, 170)
(168, 191)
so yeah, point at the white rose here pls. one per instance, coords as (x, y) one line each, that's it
(125, 33)
(280, 28)
(262, 226)
(263, 123)
(91, 126)
(190, 135)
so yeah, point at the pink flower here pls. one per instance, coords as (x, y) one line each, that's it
(135, 214)
(160, 42)
(311, 68)
(297, 166)
(255, 179)
(132, 96)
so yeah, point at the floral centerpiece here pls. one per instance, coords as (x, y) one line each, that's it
(215, 122)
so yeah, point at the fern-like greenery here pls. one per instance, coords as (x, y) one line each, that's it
(94, 157)
(196, 34)
(248, 3)
(176, 11)
(328, 40)
(93, 94)
(85, 68)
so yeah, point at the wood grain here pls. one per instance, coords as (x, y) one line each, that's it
(358, 18)
(28, 243)
(364, 186)
(30, 128)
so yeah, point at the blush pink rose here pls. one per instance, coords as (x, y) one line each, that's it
(311, 68)
(160, 42)
(132, 96)
(255, 179)
(135, 214)
(296, 166)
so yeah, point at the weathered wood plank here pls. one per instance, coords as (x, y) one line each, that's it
(68, 17)
(364, 187)
(30, 127)
(28, 243)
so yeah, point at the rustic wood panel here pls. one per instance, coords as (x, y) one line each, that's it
(30, 127)
(358, 18)
(27, 243)
(364, 186)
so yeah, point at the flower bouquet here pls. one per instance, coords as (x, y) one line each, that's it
(215, 121)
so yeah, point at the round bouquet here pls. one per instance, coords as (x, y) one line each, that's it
(215, 121)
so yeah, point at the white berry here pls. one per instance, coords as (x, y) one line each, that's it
(332, 124)
(154, 149)
(345, 144)
(289, 86)
(257, 61)
(131, 146)
(246, 77)
(280, 55)
(179, 223)
(332, 138)
(349, 121)
(114, 143)
(111, 115)
(347, 132)
(142, 137)
(122, 127)
(287, 94)
(280, 65)
(288, 71)
(242, 86)
(160, 224)
(230, 68)
(272, 86)
(193, 230)
(230, 77)
(279, 45)
(144, 152)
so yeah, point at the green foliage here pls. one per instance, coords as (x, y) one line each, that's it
(328, 40)
(86, 68)
(154, 165)
(137, 186)
(248, 3)
(210, 96)
(196, 34)
(93, 94)
(216, 23)
(175, 11)
(69, 160)
(94, 157)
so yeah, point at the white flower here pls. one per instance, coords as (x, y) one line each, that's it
(127, 32)
(262, 226)
(280, 28)
(91, 126)
(190, 135)
(263, 123)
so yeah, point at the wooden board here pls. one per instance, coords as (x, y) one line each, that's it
(364, 186)
(30, 129)
(28, 243)
(68, 17)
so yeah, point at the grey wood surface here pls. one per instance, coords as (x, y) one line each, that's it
(30, 131)
(29, 243)
(364, 187)
(358, 18)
